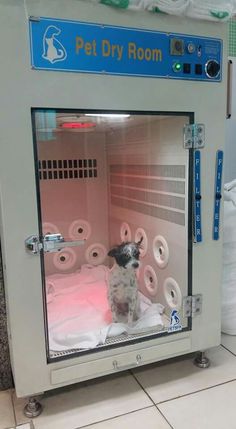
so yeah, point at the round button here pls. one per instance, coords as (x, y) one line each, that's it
(212, 68)
(191, 48)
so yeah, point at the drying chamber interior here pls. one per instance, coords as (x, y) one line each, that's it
(104, 179)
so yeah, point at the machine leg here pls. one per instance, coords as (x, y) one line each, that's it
(33, 408)
(201, 360)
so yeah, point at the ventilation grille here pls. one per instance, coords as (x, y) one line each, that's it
(177, 171)
(67, 169)
(154, 190)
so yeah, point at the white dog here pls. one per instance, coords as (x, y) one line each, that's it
(123, 288)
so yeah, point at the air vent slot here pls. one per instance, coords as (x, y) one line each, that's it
(64, 169)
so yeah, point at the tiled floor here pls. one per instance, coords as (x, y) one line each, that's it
(170, 395)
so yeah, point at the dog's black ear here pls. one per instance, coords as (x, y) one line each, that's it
(140, 241)
(112, 252)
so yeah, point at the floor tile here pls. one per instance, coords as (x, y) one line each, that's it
(6, 410)
(87, 403)
(229, 342)
(210, 409)
(149, 418)
(172, 379)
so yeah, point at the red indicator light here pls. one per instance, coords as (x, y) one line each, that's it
(74, 125)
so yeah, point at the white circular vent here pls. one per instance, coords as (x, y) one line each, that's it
(141, 234)
(50, 228)
(150, 280)
(65, 259)
(125, 232)
(96, 254)
(160, 251)
(79, 230)
(172, 293)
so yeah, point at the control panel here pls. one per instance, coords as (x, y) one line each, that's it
(195, 58)
(106, 49)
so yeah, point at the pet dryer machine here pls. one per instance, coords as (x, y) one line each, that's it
(112, 132)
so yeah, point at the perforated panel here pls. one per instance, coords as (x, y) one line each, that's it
(177, 171)
(67, 169)
(154, 190)
(151, 184)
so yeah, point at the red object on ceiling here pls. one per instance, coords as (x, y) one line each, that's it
(73, 125)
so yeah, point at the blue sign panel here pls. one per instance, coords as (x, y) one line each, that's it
(218, 196)
(62, 45)
(197, 191)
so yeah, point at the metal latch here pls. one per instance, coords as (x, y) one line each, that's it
(192, 305)
(194, 136)
(49, 243)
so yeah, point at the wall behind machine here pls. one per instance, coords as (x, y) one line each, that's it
(148, 171)
(74, 197)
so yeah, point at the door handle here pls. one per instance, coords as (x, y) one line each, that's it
(118, 367)
(49, 243)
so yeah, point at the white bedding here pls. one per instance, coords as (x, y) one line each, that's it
(79, 316)
(210, 10)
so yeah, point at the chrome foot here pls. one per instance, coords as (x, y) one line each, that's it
(201, 360)
(33, 408)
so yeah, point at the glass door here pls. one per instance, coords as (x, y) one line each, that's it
(114, 219)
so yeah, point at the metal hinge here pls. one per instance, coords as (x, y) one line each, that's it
(192, 305)
(49, 243)
(194, 136)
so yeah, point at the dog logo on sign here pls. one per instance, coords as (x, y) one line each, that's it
(175, 324)
(53, 50)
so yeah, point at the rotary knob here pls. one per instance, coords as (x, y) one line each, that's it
(212, 68)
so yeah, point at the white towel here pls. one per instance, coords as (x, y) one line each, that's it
(138, 4)
(230, 196)
(79, 316)
(228, 305)
(228, 300)
(172, 7)
(75, 335)
(210, 10)
(64, 284)
(150, 318)
(230, 185)
(230, 212)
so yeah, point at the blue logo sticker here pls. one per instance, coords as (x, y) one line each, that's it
(175, 324)
(53, 50)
